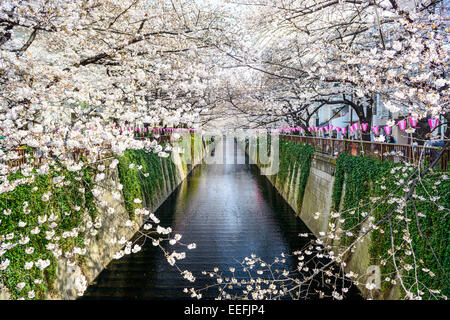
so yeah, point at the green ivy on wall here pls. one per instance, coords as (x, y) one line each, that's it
(196, 145)
(64, 203)
(358, 173)
(429, 232)
(365, 179)
(70, 202)
(298, 156)
(138, 186)
(294, 158)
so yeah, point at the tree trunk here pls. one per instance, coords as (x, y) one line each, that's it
(364, 118)
(368, 120)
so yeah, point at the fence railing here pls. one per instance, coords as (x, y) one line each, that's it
(160, 139)
(19, 160)
(382, 151)
(76, 153)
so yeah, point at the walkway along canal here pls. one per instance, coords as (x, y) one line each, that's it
(230, 211)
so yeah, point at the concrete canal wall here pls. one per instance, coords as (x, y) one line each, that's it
(317, 197)
(102, 247)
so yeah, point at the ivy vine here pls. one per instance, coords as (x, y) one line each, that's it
(68, 204)
(423, 222)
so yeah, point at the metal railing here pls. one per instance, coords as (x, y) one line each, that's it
(379, 150)
(19, 160)
(160, 139)
(382, 151)
(77, 153)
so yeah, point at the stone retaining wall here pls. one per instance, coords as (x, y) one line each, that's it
(100, 250)
(318, 198)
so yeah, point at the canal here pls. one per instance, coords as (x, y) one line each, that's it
(230, 211)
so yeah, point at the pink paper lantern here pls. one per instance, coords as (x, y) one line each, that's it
(364, 126)
(413, 121)
(433, 123)
(402, 124)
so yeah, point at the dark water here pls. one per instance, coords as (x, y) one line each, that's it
(229, 210)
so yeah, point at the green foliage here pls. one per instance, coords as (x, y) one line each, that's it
(427, 224)
(71, 200)
(135, 184)
(66, 198)
(368, 179)
(358, 173)
(196, 145)
(294, 156)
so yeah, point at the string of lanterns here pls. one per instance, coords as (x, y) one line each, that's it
(402, 124)
(149, 129)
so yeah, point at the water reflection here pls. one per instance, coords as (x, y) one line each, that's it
(230, 211)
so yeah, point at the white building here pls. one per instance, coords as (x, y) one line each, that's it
(343, 116)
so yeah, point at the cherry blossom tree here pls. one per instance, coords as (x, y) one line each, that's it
(317, 53)
(74, 77)
(73, 74)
